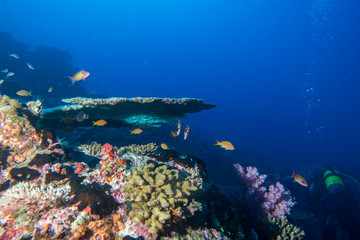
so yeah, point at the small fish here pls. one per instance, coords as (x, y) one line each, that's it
(179, 128)
(299, 179)
(176, 133)
(225, 144)
(5, 70)
(23, 93)
(10, 74)
(81, 75)
(14, 55)
(100, 123)
(186, 133)
(30, 66)
(1, 81)
(136, 131)
(50, 89)
(82, 116)
(68, 129)
(67, 119)
(164, 146)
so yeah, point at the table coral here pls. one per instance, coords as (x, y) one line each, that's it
(155, 191)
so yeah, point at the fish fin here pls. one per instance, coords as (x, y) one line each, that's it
(293, 175)
(94, 123)
(72, 80)
(30, 93)
(217, 142)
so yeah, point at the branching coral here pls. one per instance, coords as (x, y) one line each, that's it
(142, 149)
(30, 194)
(154, 192)
(93, 149)
(287, 231)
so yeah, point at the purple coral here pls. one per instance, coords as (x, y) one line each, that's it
(275, 201)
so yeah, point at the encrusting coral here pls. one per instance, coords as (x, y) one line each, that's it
(16, 132)
(156, 192)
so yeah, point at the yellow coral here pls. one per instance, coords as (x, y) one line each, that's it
(154, 192)
(287, 231)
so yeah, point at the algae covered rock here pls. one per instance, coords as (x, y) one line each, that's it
(158, 195)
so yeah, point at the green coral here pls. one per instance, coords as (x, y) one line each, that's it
(155, 192)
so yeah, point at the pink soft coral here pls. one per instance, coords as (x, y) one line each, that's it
(275, 201)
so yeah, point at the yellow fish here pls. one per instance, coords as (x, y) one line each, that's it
(99, 123)
(23, 93)
(136, 131)
(225, 144)
(299, 179)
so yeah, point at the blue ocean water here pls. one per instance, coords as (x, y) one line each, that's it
(284, 74)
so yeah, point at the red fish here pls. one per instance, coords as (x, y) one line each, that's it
(81, 75)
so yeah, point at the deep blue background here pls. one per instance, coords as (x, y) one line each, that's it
(256, 59)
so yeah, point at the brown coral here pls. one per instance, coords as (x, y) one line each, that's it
(16, 131)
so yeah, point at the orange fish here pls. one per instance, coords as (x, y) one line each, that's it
(186, 133)
(23, 93)
(164, 146)
(299, 179)
(225, 144)
(136, 131)
(99, 123)
(81, 75)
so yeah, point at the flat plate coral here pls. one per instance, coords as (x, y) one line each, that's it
(120, 112)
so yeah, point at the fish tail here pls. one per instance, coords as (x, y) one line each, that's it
(293, 174)
(30, 93)
(94, 123)
(217, 142)
(72, 79)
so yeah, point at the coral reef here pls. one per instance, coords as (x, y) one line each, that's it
(16, 132)
(120, 112)
(286, 230)
(94, 149)
(155, 191)
(48, 191)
